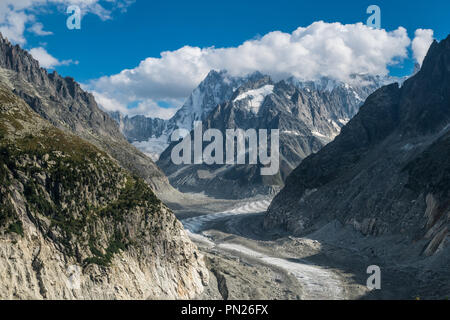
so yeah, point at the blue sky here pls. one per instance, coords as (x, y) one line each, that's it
(137, 30)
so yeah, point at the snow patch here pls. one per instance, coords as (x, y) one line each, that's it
(196, 224)
(343, 121)
(319, 135)
(291, 132)
(255, 97)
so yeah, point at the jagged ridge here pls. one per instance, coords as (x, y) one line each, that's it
(67, 106)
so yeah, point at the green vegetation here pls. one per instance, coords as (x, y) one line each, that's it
(8, 217)
(35, 198)
(16, 227)
(71, 187)
(7, 163)
(117, 243)
(68, 167)
(135, 194)
(7, 213)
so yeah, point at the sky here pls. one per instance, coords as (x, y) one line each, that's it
(145, 57)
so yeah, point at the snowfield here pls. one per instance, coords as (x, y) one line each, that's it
(255, 97)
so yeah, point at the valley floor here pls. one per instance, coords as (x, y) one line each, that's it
(247, 262)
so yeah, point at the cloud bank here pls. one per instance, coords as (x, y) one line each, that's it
(46, 60)
(148, 107)
(421, 43)
(321, 49)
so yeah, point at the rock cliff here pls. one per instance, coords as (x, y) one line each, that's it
(75, 225)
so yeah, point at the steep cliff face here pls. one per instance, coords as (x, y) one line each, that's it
(63, 102)
(387, 173)
(75, 225)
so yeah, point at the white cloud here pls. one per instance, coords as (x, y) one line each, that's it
(38, 29)
(421, 43)
(151, 109)
(148, 107)
(15, 15)
(321, 49)
(46, 60)
(108, 103)
(12, 25)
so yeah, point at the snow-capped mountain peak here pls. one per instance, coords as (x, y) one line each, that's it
(248, 93)
(217, 88)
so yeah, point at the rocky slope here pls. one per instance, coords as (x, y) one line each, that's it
(308, 115)
(63, 102)
(75, 225)
(387, 174)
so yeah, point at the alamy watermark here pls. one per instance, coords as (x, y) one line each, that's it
(374, 20)
(374, 281)
(74, 20)
(237, 147)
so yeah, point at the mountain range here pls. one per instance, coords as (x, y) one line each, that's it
(309, 114)
(363, 168)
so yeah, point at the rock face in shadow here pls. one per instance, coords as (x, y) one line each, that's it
(75, 225)
(388, 172)
(67, 106)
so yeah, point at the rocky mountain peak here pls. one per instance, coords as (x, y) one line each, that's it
(67, 106)
(309, 115)
(425, 96)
